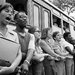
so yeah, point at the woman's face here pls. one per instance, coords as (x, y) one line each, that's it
(50, 33)
(37, 34)
(6, 15)
(58, 37)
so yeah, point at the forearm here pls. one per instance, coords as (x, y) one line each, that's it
(29, 55)
(17, 60)
(60, 53)
(69, 50)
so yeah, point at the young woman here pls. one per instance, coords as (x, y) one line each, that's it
(38, 57)
(47, 44)
(6, 12)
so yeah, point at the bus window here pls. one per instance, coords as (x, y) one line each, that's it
(36, 15)
(56, 24)
(56, 21)
(46, 19)
(66, 26)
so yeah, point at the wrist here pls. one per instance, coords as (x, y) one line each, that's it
(27, 62)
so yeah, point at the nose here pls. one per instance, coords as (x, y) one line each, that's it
(10, 14)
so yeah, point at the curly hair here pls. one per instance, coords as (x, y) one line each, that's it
(44, 33)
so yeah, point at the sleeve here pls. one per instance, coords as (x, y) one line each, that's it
(65, 43)
(47, 48)
(31, 42)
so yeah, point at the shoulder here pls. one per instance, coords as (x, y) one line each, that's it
(31, 36)
(43, 43)
(13, 35)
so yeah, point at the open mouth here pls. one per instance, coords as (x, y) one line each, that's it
(7, 18)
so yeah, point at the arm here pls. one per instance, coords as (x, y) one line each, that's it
(17, 60)
(60, 53)
(31, 48)
(47, 48)
(69, 50)
(8, 70)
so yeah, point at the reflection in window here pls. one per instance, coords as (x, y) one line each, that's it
(36, 16)
(46, 19)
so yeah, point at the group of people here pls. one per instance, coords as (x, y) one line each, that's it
(41, 52)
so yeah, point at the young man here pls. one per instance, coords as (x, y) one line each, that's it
(26, 40)
(63, 47)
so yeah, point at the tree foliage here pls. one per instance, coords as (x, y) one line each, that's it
(65, 4)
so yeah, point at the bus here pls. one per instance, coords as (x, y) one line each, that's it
(43, 14)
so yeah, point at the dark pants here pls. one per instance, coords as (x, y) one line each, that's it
(49, 67)
(36, 68)
(60, 67)
(69, 64)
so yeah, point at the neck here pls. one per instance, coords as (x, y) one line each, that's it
(3, 29)
(57, 41)
(37, 41)
(2, 26)
(19, 29)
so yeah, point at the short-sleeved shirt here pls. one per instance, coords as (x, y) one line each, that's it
(62, 44)
(51, 42)
(11, 35)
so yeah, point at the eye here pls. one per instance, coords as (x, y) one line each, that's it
(6, 10)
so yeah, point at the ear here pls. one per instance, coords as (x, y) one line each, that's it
(54, 38)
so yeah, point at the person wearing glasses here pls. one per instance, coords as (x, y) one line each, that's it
(38, 57)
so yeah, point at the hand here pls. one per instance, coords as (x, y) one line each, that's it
(24, 66)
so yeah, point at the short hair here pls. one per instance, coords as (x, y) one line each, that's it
(44, 33)
(66, 34)
(17, 14)
(5, 5)
(55, 34)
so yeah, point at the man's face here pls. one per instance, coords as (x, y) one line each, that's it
(22, 19)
